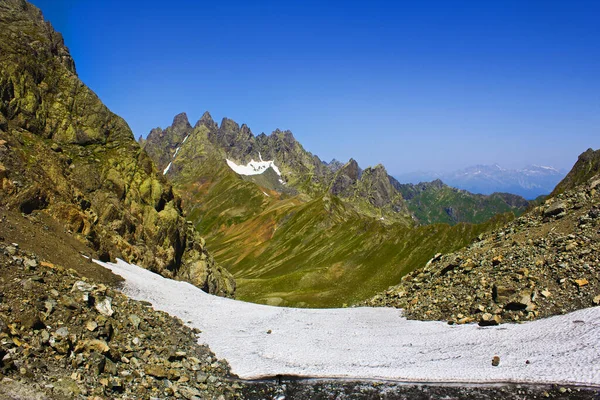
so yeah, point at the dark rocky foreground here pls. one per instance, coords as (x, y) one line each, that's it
(309, 389)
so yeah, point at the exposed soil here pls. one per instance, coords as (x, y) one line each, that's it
(40, 233)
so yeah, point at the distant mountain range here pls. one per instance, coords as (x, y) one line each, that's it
(529, 182)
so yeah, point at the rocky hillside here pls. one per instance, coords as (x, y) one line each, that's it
(586, 167)
(544, 263)
(63, 152)
(63, 336)
(436, 202)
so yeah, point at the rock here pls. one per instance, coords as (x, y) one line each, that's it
(97, 345)
(83, 287)
(32, 321)
(158, 371)
(581, 282)
(502, 294)
(546, 293)
(497, 260)
(91, 325)
(56, 148)
(555, 209)
(488, 319)
(135, 320)
(190, 393)
(104, 307)
(110, 367)
(67, 387)
(570, 246)
(596, 300)
(62, 332)
(496, 361)
(30, 263)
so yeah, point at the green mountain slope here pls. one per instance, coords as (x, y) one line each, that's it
(435, 202)
(314, 236)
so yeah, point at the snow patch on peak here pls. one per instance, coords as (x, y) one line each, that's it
(167, 169)
(253, 167)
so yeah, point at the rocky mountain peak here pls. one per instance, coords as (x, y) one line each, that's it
(245, 132)
(181, 121)
(206, 120)
(228, 125)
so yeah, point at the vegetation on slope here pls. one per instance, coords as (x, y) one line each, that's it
(435, 202)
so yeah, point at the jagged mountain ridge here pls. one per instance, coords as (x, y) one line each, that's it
(529, 182)
(62, 152)
(372, 190)
(302, 172)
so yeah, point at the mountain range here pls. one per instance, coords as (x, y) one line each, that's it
(262, 219)
(529, 182)
(298, 231)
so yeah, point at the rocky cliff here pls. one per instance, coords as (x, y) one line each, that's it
(64, 153)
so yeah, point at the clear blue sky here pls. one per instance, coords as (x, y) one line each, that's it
(415, 85)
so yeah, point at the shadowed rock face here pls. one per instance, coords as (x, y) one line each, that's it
(64, 152)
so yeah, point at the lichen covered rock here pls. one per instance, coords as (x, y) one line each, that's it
(67, 154)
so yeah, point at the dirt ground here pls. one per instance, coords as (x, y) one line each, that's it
(40, 233)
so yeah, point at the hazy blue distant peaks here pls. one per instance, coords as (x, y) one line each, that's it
(529, 182)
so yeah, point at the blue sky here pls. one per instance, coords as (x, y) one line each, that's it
(415, 85)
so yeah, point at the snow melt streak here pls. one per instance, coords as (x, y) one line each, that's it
(374, 342)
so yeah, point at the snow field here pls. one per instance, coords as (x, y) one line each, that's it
(374, 343)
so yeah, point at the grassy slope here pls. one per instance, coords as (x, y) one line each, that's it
(298, 250)
(431, 206)
(318, 253)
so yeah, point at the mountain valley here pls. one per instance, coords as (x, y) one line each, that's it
(297, 231)
(123, 260)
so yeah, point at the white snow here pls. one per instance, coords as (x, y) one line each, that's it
(176, 151)
(185, 138)
(265, 193)
(375, 343)
(253, 167)
(167, 169)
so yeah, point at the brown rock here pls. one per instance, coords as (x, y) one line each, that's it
(496, 361)
(32, 321)
(581, 282)
(502, 294)
(158, 371)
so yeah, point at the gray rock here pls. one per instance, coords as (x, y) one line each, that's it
(104, 307)
(135, 320)
(555, 209)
